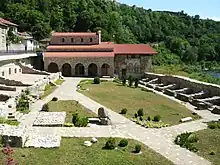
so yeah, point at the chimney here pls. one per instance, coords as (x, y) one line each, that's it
(100, 36)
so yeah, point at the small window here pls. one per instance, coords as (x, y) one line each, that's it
(81, 39)
(19, 70)
(3, 73)
(72, 40)
(90, 39)
(15, 70)
(63, 40)
(9, 70)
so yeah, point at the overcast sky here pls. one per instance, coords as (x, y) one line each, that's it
(204, 8)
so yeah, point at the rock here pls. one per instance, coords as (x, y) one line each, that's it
(102, 113)
(87, 143)
(186, 119)
(94, 140)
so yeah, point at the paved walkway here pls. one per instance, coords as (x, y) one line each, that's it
(160, 140)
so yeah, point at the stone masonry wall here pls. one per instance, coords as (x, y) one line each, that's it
(184, 82)
(86, 61)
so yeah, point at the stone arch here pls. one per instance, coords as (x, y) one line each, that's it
(130, 68)
(137, 68)
(105, 70)
(92, 70)
(66, 70)
(79, 69)
(52, 68)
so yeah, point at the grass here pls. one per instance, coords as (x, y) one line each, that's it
(49, 88)
(59, 81)
(72, 152)
(69, 107)
(116, 97)
(209, 140)
(9, 122)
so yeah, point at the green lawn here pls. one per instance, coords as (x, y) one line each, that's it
(69, 107)
(115, 96)
(72, 152)
(59, 81)
(49, 88)
(209, 140)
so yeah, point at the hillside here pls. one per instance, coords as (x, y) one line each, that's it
(190, 39)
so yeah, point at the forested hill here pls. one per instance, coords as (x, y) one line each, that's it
(191, 38)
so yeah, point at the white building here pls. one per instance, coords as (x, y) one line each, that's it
(3, 32)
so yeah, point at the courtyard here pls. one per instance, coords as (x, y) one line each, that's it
(116, 97)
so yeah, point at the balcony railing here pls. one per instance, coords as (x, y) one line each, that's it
(17, 52)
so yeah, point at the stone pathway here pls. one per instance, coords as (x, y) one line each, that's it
(160, 140)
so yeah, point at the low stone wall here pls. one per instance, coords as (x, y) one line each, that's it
(5, 88)
(184, 82)
(9, 82)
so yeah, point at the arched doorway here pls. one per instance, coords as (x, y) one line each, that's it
(92, 70)
(79, 70)
(53, 68)
(105, 70)
(66, 70)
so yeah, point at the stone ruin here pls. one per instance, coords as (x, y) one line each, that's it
(204, 96)
(104, 116)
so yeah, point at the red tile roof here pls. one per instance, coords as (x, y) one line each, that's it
(79, 54)
(129, 49)
(7, 22)
(3, 24)
(64, 34)
(106, 47)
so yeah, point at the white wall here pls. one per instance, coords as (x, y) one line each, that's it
(9, 69)
(3, 38)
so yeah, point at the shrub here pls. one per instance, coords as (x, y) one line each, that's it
(96, 80)
(27, 91)
(140, 112)
(212, 125)
(45, 108)
(157, 118)
(137, 148)
(212, 153)
(68, 124)
(136, 83)
(130, 81)
(123, 111)
(123, 143)
(186, 140)
(194, 113)
(135, 115)
(149, 118)
(141, 118)
(54, 99)
(75, 118)
(110, 144)
(82, 122)
(124, 82)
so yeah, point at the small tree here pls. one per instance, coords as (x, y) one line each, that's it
(137, 148)
(110, 144)
(96, 80)
(45, 108)
(123, 111)
(130, 81)
(124, 82)
(136, 83)
(140, 112)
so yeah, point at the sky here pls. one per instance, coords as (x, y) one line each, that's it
(205, 8)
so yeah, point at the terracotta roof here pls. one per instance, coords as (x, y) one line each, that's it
(3, 24)
(79, 54)
(7, 22)
(125, 49)
(64, 34)
(106, 47)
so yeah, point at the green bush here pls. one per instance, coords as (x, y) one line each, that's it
(123, 143)
(75, 118)
(23, 104)
(141, 118)
(137, 148)
(110, 144)
(136, 82)
(212, 153)
(157, 118)
(96, 80)
(135, 115)
(148, 118)
(27, 91)
(124, 82)
(123, 111)
(68, 124)
(45, 108)
(140, 112)
(187, 140)
(82, 122)
(54, 99)
(130, 81)
(194, 113)
(212, 125)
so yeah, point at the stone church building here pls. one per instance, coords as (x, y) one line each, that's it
(84, 54)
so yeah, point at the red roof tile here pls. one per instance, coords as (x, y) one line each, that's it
(7, 22)
(64, 34)
(126, 49)
(80, 48)
(79, 54)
